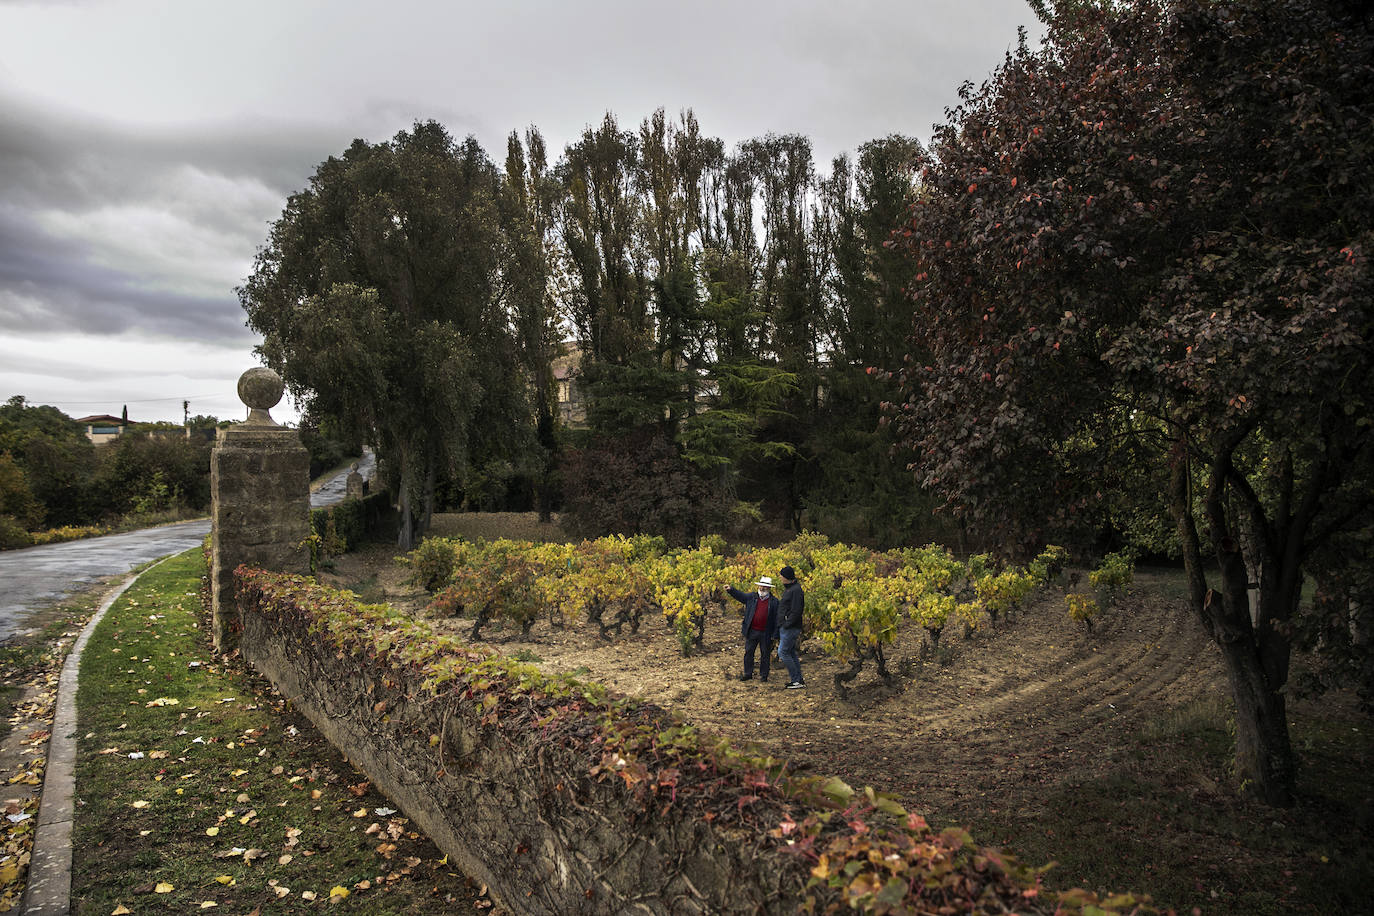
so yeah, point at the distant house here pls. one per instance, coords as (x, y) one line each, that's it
(567, 370)
(572, 400)
(103, 428)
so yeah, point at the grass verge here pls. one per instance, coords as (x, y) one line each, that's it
(198, 787)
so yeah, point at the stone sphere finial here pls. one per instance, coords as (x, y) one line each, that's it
(261, 389)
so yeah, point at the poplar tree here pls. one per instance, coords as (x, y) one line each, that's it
(529, 199)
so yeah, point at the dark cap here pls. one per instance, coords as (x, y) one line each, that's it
(788, 573)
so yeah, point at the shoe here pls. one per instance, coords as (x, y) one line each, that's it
(746, 677)
(795, 685)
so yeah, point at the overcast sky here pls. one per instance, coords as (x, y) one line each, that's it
(145, 147)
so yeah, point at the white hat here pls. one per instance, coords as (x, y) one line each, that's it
(765, 581)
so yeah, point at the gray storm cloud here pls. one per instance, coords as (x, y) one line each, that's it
(109, 230)
(145, 148)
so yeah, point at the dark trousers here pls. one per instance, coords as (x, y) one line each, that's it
(756, 642)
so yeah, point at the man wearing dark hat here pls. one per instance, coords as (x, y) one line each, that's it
(790, 627)
(760, 625)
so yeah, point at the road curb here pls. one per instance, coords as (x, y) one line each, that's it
(49, 888)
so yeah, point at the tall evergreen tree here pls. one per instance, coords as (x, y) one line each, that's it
(789, 297)
(610, 302)
(375, 294)
(856, 491)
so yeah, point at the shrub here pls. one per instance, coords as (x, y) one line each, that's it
(342, 526)
(639, 484)
(146, 475)
(1112, 575)
(714, 544)
(350, 522)
(12, 534)
(17, 502)
(1082, 608)
(1002, 593)
(319, 521)
(67, 533)
(496, 578)
(431, 564)
(1049, 564)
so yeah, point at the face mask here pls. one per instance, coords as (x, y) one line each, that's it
(763, 593)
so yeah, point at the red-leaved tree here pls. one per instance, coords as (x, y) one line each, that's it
(1146, 245)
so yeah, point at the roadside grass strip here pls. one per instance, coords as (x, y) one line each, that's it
(199, 789)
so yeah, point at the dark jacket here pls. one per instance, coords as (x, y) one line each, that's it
(751, 601)
(790, 607)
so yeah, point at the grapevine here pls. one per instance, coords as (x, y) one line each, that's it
(857, 600)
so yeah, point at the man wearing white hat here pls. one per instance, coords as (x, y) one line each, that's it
(760, 625)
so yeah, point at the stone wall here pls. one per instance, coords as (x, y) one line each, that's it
(523, 816)
(562, 800)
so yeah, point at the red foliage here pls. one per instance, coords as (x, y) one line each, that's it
(639, 484)
(1154, 288)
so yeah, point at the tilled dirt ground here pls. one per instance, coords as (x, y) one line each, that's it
(1001, 712)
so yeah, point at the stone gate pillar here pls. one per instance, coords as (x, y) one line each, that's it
(260, 500)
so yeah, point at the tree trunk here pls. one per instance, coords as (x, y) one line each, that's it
(1264, 755)
(405, 533)
(431, 479)
(1256, 657)
(1256, 663)
(547, 440)
(405, 529)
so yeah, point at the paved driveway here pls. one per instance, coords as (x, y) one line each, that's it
(35, 576)
(335, 488)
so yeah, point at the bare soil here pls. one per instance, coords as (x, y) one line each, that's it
(1000, 712)
(1040, 735)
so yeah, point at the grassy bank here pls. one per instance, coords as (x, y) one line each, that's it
(198, 788)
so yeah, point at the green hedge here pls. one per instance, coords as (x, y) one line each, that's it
(347, 524)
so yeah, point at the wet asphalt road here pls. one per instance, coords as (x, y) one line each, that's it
(36, 576)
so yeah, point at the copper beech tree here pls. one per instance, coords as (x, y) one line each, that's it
(1146, 245)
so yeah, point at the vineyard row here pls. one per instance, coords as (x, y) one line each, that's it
(856, 599)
